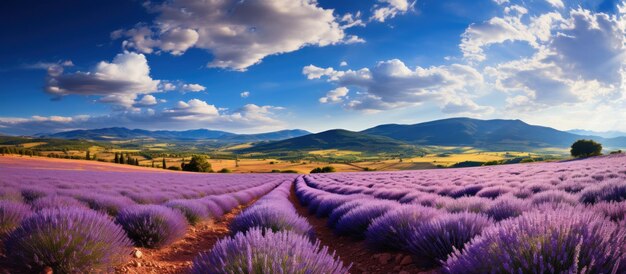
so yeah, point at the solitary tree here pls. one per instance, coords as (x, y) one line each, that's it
(198, 163)
(586, 148)
(164, 165)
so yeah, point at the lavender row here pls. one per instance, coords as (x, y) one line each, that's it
(127, 187)
(270, 237)
(459, 234)
(522, 181)
(63, 233)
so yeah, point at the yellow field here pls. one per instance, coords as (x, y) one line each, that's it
(334, 152)
(33, 144)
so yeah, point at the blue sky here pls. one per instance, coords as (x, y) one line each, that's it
(254, 66)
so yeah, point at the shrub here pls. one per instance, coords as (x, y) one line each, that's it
(612, 191)
(466, 191)
(327, 205)
(109, 204)
(390, 231)
(31, 194)
(552, 240)
(69, 240)
(613, 210)
(260, 251)
(355, 222)
(11, 215)
(468, 204)
(152, 226)
(55, 201)
(338, 212)
(585, 148)
(225, 170)
(9, 194)
(493, 192)
(326, 169)
(438, 238)
(198, 163)
(269, 218)
(554, 197)
(506, 207)
(194, 212)
(225, 202)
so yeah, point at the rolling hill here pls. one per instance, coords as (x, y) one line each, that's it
(490, 134)
(336, 139)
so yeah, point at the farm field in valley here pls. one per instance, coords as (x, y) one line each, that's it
(144, 220)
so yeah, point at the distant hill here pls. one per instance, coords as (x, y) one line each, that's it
(489, 134)
(121, 133)
(603, 134)
(336, 139)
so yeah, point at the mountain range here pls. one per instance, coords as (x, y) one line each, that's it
(121, 133)
(495, 134)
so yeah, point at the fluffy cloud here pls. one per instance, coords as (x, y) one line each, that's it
(335, 96)
(118, 82)
(556, 3)
(146, 101)
(192, 87)
(244, 94)
(391, 84)
(578, 57)
(387, 9)
(194, 113)
(238, 34)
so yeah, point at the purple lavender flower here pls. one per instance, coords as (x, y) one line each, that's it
(70, 240)
(152, 226)
(260, 251)
(550, 240)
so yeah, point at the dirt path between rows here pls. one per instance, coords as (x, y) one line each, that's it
(177, 257)
(350, 251)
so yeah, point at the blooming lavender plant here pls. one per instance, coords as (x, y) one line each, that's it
(193, 210)
(11, 215)
(436, 239)
(152, 226)
(355, 222)
(550, 240)
(69, 240)
(260, 251)
(390, 231)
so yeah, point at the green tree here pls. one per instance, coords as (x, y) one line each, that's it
(164, 165)
(198, 163)
(586, 148)
(326, 169)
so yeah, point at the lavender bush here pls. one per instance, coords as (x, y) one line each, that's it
(69, 240)
(438, 238)
(56, 201)
(390, 231)
(267, 252)
(152, 226)
(11, 215)
(551, 240)
(355, 222)
(194, 211)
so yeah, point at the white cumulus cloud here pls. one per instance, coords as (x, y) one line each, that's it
(239, 34)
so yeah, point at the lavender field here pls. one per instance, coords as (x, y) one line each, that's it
(560, 217)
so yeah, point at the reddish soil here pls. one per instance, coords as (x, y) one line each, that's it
(69, 164)
(178, 257)
(352, 251)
